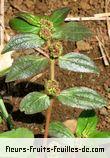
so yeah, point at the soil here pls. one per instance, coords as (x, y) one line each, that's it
(13, 92)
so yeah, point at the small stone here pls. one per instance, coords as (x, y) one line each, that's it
(108, 107)
(83, 46)
(71, 124)
(103, 111)
(84, 5)
(108, 95)
(107, 85)
(65, 3)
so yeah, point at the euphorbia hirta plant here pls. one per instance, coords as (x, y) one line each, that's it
(47, 33)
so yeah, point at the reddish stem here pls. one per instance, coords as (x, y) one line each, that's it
(49, 110)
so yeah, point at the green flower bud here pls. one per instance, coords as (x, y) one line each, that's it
(52, 88)
(47, 29)
(56, 49)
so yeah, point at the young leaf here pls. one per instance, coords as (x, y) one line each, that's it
(17, 133)
(30, 18)
(23, 41)
(26, 66)
(72, 31)
(81, 97)
(100, 134)
(34, 102)
(59, 15)
(4, 72)
(59, 130)
(77, 62)
(22, 26)
(87, 123)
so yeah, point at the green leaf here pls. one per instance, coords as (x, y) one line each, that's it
(30, 18)
(34, 102)
(22, 26)
(81, 97)
(23, 41)
(59, 15)
(17, 133)
(3, 109)
(4, 72)
(87, 123)
(26, 66)
(1, 120)
(59, 130)
(77, 62)
(100, 134)
(72, 31)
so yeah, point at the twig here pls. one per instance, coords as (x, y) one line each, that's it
(15, 7)
(102, 52)
(106, 10)
(107, 55)
(37, 76)
(42, 52)
(7, 37)
(33, 79)
(103, 45)
(99, 58)
(86, 18)
(1, 24)
(102, 15)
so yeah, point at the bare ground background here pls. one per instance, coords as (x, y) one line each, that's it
(13, 92)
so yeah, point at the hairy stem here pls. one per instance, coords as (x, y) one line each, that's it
(52, 69)
(48, 117)
(49, 110)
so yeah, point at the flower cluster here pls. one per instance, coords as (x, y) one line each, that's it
(56, 49)
(52, 88)
(47, 29)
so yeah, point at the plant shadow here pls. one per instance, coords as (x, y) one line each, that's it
(23, 88)
(87, 114)
(9, 107)
(38, 118)
(41, 136)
